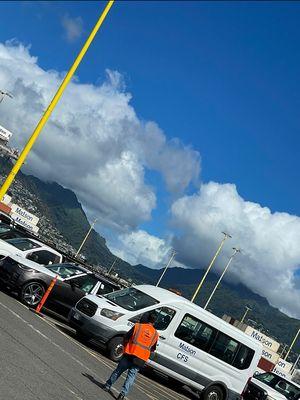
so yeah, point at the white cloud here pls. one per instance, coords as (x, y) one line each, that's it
(93, 143)
(73, 27)
(270, 242)
(139, 247)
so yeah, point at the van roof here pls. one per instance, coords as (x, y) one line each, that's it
(164, 295)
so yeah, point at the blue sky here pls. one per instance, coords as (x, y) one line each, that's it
(221, 77)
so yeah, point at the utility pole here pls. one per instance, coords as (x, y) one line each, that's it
(112, 265)
(226, 236)
(86, 236)
(292, 344)
(166, 267)
(246, 312)
(235, 250)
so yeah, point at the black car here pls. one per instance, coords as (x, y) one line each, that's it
(74, 282)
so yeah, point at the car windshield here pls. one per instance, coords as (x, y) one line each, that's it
(65, 270)
(131, 299)
(23, 244)
(4, 228)
(281, 385)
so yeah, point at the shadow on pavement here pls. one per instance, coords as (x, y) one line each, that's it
(97, 383)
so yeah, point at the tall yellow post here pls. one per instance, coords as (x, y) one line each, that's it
(210, 265)
(53, 103)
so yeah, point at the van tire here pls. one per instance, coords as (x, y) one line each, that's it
(213, 392)
(115, 348)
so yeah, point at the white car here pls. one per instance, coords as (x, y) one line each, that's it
(30, 249)
(270, 386)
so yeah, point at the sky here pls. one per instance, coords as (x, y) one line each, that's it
(182, 122)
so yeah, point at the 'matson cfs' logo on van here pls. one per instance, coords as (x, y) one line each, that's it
(187, 350)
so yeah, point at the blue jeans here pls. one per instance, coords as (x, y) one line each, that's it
(126, 363)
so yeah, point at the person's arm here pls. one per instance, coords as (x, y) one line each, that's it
(127, 336)
(153, 347)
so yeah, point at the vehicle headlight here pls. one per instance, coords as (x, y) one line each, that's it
(24, 268)
(105, 312)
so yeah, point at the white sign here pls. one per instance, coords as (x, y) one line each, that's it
(267, 342)
(281, 372)
(24, 222)
(270, 355)
(5, 134)
(6, 199)
(284, 365)
(24, 214)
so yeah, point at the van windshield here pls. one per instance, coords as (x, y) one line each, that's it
(131, 299)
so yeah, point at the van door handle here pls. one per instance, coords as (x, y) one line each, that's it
(162, 337)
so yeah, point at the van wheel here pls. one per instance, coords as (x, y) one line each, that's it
(212, 393)
(115, 348)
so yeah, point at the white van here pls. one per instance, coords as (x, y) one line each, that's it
(195, 347)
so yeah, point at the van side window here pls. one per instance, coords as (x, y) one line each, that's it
(163, 319)
(243, 358)
(195, 332)
(224, 348)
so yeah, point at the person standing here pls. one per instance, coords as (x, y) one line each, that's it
(139, 342)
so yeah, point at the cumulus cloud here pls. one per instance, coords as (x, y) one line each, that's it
(93, 143)
(73, 27)
(270, 241)
(139, 247)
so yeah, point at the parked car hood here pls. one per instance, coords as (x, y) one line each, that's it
(271, 392)
(33, 265)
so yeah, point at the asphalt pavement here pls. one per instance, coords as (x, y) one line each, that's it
(40, 359)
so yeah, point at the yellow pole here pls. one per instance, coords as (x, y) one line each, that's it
(53, 103)
(210, 265)
(292, 344)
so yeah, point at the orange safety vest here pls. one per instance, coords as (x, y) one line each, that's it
(143, 338)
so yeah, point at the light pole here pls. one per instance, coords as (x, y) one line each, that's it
(292, 344)
(226, 236)
(3, 94)
(235, 250)
(246, 312)
(86, 236)
(112, 265)
(166, 267)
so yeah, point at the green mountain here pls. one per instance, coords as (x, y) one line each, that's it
(63, 221)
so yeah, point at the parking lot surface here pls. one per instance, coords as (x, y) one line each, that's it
(41, 360)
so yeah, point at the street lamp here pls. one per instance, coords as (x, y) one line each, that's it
(292, 344)
(235, 250)
(246, 312)
(3, 94)
(86, 236)
(226, 236)
(166, 267)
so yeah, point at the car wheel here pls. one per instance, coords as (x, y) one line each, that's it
(115, 348)
(212, 393)
(32, 293)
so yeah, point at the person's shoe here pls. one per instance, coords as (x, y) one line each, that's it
(121, 396)
(106, 388)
